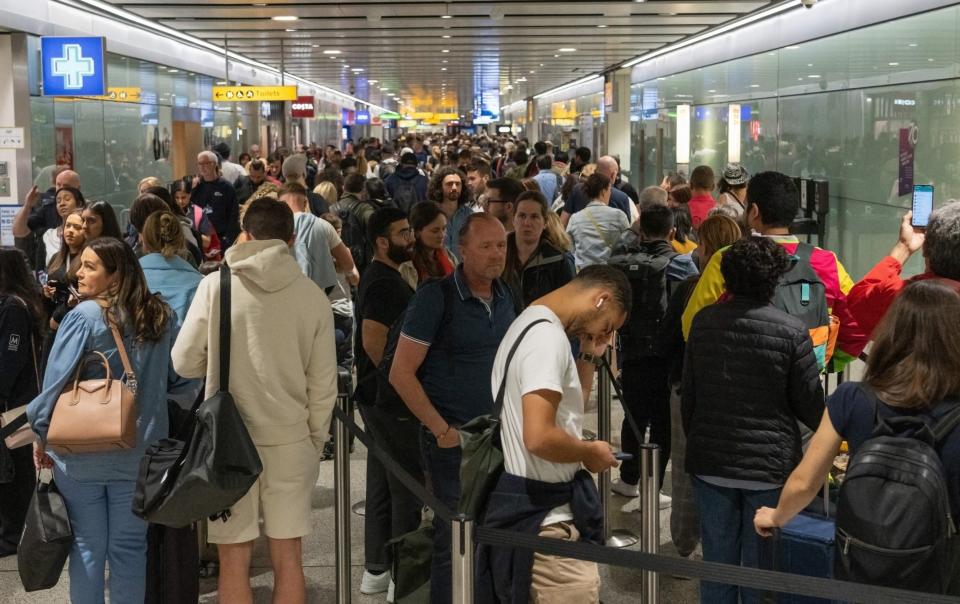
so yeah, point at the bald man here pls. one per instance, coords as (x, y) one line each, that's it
(578, 200)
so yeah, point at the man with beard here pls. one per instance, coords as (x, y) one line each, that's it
(544, 489)
(382, 297)
(443, 361)
(448, 189)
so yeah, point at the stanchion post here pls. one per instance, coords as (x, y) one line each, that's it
(611, 537)
(341, 489)
(650, 506)
(461, 550)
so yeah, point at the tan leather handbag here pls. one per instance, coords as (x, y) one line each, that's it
(96, 415)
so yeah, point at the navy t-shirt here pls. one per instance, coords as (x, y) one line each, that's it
(578, 200)
(852, 410)
(456, 372)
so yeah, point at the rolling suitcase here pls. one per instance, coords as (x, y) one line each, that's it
(804, 546)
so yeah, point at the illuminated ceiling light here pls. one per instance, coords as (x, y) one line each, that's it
(443, 69)
(754, 85)
(289, 29)
(556, 56)
(384, 88)
(357, 69)
(285, 18)
(601, 26)
(913, 45)
(712, 90)
(567, 49)
(221, 83)
(445, 50)
(893, 64)
(792, 47)
(532, 71)
(332, 52)
(814, 76)
(372, 81)
(446, 37)
(173, 71)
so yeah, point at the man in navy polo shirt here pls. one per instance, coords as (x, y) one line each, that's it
(442, 365)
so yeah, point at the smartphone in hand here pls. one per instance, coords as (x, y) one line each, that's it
(922, 206)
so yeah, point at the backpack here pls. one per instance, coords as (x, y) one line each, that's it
(802, 294)
(894, 526)
(647, 274)
(354, 233)
(387, 397)
(405, 194)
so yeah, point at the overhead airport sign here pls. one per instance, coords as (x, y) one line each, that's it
(362, 117)
(254, 93)
(73, 66)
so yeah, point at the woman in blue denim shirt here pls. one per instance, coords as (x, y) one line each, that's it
(98, 487)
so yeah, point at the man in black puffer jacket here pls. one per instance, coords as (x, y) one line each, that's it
(749, 375)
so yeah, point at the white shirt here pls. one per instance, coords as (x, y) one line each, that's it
(543, 361)
(51, 241)
(231, 171)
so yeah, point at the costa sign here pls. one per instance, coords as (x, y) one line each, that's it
(302, 107)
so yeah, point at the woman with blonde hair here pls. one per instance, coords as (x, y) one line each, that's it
(146, 183)
(328, 191)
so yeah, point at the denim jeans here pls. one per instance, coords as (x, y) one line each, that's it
(442, 469)
(728, 536)
(104, 529)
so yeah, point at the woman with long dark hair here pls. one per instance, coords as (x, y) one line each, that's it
(68, 199)
(100, 220)
(21, 328)
(430, 257)
(913, 370)
(98, 487)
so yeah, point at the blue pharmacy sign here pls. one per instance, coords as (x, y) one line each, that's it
(74, 66)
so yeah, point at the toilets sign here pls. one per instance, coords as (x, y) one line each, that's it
(73, 66)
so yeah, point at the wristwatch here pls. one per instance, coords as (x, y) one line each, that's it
(595, 359)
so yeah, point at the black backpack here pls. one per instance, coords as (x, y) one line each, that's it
(647, 274)
(387, 397)
(354, 233)
(405, 194)
(894, 526)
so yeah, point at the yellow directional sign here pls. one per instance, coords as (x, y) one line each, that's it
(121, 95)
(254, 93)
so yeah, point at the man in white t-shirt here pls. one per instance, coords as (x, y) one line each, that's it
(543, 490)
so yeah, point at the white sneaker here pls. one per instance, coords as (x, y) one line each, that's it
(626, 489)
(374, 584)
(665, 501)
(390, 592)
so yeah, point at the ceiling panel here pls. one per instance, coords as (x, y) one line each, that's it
(425, 49)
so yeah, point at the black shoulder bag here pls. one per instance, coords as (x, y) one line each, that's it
(183, 481)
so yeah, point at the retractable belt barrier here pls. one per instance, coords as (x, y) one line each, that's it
(466, 535)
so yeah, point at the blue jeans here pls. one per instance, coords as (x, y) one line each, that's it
(104, 529)
(728, 536)
(442, 469)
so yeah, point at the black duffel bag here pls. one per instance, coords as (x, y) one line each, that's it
(203, 475)
(46, 540)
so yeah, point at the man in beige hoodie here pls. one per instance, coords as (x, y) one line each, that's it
(284, 380)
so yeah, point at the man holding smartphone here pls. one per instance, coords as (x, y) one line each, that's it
(544, 490)
(870, 298)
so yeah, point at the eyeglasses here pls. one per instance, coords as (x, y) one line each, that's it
(206, 163)
(488, 200)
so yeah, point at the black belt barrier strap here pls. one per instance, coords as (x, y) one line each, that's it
(411, 483)
(765, 580)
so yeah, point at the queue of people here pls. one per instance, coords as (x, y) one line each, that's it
(477, 279)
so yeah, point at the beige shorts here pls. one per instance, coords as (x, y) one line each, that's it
(557, 580)
(281, 497)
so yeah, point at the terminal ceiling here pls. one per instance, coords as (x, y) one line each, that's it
(442, 55)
